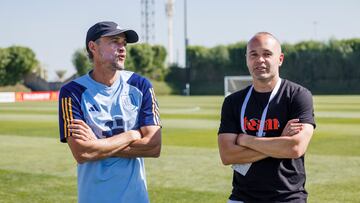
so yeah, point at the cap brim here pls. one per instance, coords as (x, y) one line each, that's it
(131, 35)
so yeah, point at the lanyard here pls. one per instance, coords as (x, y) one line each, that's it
(263, 116)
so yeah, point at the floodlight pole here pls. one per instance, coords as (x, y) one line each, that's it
(315, 31)
(187, 66)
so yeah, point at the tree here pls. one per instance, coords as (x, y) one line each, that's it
(142, 57)
(159, 56)
(4, 60)
(81, 62)
(158, 71)
(60, 74)
(19, 62)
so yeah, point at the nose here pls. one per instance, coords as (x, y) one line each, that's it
(121, 48)
(260, 59)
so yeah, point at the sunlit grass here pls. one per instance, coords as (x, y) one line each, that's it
(35, 167)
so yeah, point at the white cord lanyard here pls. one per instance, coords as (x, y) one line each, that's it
(263, 116)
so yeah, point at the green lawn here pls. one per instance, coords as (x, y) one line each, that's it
(35, 167)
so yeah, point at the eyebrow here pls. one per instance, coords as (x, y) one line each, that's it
(265, 50)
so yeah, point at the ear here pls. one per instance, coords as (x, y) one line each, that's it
(281, 59)
(92, 46)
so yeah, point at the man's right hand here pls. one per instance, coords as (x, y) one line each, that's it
(292, 127)
(80, 130)
(135, 134)
(86, 147)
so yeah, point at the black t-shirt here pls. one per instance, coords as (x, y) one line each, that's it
(270, 179)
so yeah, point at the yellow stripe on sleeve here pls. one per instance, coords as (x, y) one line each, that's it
(66, 107)
(64, 116)
(70, 113)
(67, 116)
(70, 109)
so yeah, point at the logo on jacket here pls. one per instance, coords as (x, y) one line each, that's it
(254, 124)
(128, 101)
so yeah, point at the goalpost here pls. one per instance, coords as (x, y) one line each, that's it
(235, 83)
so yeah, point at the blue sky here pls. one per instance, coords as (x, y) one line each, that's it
(55, 29)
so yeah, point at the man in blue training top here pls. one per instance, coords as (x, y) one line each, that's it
(110, 119)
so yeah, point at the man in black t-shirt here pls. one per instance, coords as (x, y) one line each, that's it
(265, 130)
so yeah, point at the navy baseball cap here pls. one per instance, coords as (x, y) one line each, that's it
(108, 28)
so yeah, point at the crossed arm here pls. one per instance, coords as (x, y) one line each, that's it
(84, 145)
(243, 148)
(148, 146)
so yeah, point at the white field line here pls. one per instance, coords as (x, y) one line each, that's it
(190, 123)
(197, 169)
(27, 117)
(337, 114)
(180, 110)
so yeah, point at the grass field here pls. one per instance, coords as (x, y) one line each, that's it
(35, 167)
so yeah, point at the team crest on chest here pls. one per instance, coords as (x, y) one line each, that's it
(127, 102)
